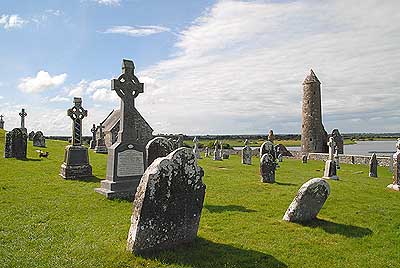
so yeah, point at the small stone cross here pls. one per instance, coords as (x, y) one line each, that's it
(77, 113)
(23, 114)
(331, 145)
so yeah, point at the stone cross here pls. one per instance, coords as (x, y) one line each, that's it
(331, 145)
(23, 114)
(101, 133)
(127, 87)
(77, 113)
(93, 130)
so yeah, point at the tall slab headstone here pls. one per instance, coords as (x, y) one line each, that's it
(247, 153)
(373, 166)
(217, 151)
(1, 122)
(101, 147)
(39, 140)
(76, 158)
(267, 168)
(126, 157)
(158, 147)
(94, 133)
(395, 185)
(330, 171)
(30, 135)
(23, 114)
(16, 144)
(196, 148)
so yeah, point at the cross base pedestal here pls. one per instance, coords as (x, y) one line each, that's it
(76, 163)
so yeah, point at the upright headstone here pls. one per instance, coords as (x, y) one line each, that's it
(338, 138)
(268, 147)
(168, 203)
(207, 152)
(23, 114)
(271, 136)
(373, 166)
(330, 164)
(395, 185)
(16, 144)
(1, 122)
(158, 147)
(126, 157)
(247, 153)
(304, 159)
(76, 159)
(217, 151)
(308, 201)
(196, 151)
(93, 141)
(30, 135)
(267, 168)
(39, 140)
(101, 147)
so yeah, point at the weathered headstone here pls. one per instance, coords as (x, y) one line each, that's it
(16, 144)
(76, 159)
(373, 166)
(168, 203)
(1, 122)
(196, 151)
(268, 147)
(247, 153)
(126, 157)
(395, 185)
(158, 147)
(217, 151)
(39, 140)
(23, 114)
(267, 168)
(337, 137)
(281, 149)
(207, 152)
(101, 147)
(30, 135)
(308, 201)
(93, 141)
(330, 164)
(304, 159)
(271, 136)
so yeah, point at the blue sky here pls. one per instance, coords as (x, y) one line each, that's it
(209, 67)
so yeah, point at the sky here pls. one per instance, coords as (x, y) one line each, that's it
(208, 66)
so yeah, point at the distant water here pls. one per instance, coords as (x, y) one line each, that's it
(381, 148)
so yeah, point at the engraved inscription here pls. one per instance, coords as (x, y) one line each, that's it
(130, 163)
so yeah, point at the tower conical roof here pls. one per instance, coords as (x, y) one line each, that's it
(311, 78)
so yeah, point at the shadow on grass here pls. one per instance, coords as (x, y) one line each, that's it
(87, 179)
(338, 228)
(203, 253)
(285, 183)
(220, 209)
(30, 159)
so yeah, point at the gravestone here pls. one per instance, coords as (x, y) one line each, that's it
(196, 151)
(76, 159)
(373, 166)
(330, 164)
(268, 147)
(247, 153)
(271, 136)
(1, 122)
(101, 147)
(23, 114)
(267, 168)
(217, 151)
(281, 149)
(16, 144)
(304, 159)
(39, 140)
(30, 135)
(395, 185)
(206, 152)
(126, 157)
(225, 156)
(308, 201)
(337, 137)
(93, 141)
(158, 147)
(168, 203)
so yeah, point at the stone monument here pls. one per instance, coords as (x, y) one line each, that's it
(247, 153)
(93, 141)
(395, 185)
(1, 122)
(168, 203)
(268, 147)
(76, 159)
(271, 136)
(101, 147)
(158, 147)
(23, 114)
(39, 140)
(330, 164)
(126, 157)
(206, 152)
(304, 159)
(308, 201)
(267, 168)
(373, 166)
(337, 137)
(196, 151)
(30, 135)
(16, 144)
(217, 151)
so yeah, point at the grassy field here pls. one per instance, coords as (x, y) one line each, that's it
(50, 222)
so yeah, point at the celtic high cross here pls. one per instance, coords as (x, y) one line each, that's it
(77, 113)
(23, 114)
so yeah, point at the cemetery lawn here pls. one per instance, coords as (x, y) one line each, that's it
(50, 222)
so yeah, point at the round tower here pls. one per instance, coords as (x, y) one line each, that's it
(313, 135)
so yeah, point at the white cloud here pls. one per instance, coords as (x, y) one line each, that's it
(59, 99)
(239, 68)
(1, 97)
(105, 2)
(41, 82)
(12, 21)
(97, 90)
(137, 30)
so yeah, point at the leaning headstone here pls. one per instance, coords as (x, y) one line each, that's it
(168, 203)
(373, 166)
(206, 152)
(247, 153)
(267, 168)
(39, 140)
(126, 157)
(158, 147)
(30, 135)
(268, 148)
(76, 159)
(217, 151)
(1, 122)
(330, 164)
(196, 151)
(16, 144)
(304, 159)
(23, 114)
(281, 149)
(101, 147)
(94, 133)
(395, 185)
(308, 201)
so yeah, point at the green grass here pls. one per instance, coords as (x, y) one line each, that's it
(50, 222)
